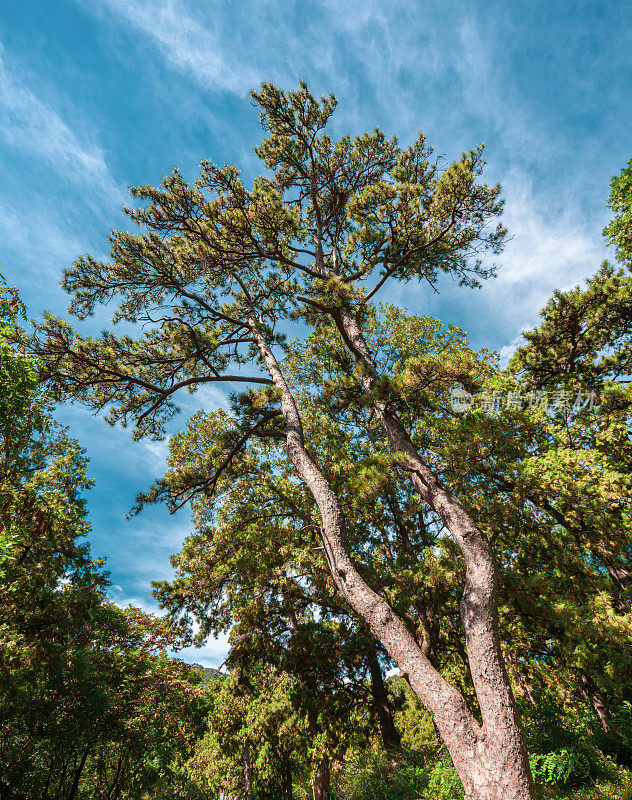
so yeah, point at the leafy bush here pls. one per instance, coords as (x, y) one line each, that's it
(549, 727)
(378, 776)
(560, 768)
(444, 783)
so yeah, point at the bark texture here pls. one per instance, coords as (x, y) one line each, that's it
(247, 775)
(500, 737)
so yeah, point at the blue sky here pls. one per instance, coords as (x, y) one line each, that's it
(97, 95)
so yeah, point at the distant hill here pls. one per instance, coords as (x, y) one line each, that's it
(209, 674)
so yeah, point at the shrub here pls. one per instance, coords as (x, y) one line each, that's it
(379, 776)
(444, 783)
(560, 768)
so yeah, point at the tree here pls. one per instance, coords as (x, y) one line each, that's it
(256, 575)
(89, 704)
(255, 565)
(256, 738)
(550, 484)
(17, 380)
(220, 267)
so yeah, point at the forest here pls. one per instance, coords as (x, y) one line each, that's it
(422, 556)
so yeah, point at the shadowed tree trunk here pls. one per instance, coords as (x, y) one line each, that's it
(286, 782)
(247, 775)
(77, 776)
(233, 268)
(592, 694)
(389, 733)
(525, 686)
(321, 779)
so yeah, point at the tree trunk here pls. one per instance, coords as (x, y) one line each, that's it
(526, 687)
(389, 733)
(247, 775)
(593, 695)
(286, 783)
(320, 781)
(77, 775)
(501, 728)
(491, 760)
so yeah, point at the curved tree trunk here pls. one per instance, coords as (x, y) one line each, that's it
(491, 759)
(479, 603)
(77, 774)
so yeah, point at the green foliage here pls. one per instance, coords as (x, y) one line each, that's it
(560, 767)
(215, 273)
(254, 730)
(375, 775)
(89, 703)
(444, 783)
(17, 380)
(584, 338)
(419, 734)
(617, 741)
(619, 230)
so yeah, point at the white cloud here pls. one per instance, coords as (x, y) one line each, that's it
(235, 47)
(39, 230)
(551, 247)
(489, 94)
(137, 602)
(49, 243)
(29, 123)
(507, 351)
(156, 454)
(186, 43)
(211, 397)
(212, 654)
(139, 461)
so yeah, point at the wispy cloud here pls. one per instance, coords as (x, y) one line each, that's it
(30, 124)
(212, 654)
(49, 242)
(37, 140)
(187, 43)
(234, 47)
(553, 246)
(450, 68)
(489, 94)
(507, 351)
